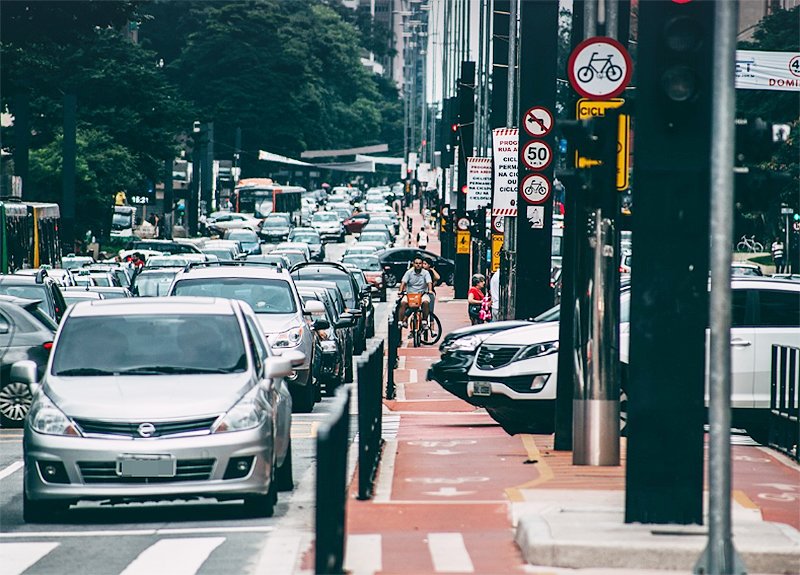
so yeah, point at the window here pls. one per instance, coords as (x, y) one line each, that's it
(263, 295)
(739, 308)
(778, 308)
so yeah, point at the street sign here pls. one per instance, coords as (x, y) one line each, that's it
(599, 68)
(462, 242)
(536, 189)
(537, 155)
(462, 223)
(538, 121)
(504, 152)
(497, 245)
(479, 182)
(586, 109)
(787, 211)
(796, 226)
(498, 223)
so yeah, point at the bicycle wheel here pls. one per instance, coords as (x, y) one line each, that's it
(757, 247)
(613, 72)
(741, 247)
(434, 332)
(585, 74)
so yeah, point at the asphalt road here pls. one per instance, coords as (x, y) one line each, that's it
(181, 538)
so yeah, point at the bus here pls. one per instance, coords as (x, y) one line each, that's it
(262, 196)
(29, 235)
(123, 221)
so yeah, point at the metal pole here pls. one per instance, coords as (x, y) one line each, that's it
(487, 66)
(590, 19)
(510, 224)
(481, 79)
(612, 19)
(720, 557)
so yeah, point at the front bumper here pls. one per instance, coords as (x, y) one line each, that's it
(202, 462)
(451, 373)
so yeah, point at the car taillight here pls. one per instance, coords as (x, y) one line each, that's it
(48, 345)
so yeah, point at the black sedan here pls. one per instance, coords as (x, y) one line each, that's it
(395, 262)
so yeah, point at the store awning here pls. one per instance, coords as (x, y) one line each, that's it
(278, 159)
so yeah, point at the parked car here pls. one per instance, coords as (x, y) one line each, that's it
(273, 297)
(395, 262)
(40, 287)
(26, 333)
(215, 419)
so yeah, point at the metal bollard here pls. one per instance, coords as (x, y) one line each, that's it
(391, 360)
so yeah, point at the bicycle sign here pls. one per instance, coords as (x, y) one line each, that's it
(537, 155)
(538, 121)
(535, 189)
(599, 68)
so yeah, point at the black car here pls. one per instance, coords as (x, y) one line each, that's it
(40, 287)
(331, 341)
(329, 271)
(395, 262)
(365, 291)
(26, 333)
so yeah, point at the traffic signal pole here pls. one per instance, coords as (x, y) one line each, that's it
(466, 137)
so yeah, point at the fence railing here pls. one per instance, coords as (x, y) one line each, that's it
(331, 492)
(784, 425)
(370, 421)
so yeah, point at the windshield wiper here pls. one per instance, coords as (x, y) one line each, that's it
(170, 369)
(84, 371)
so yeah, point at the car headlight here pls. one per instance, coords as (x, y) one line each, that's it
(288, 338)
(468, 344)
(46, 418)
(246, 414)
(538, 350)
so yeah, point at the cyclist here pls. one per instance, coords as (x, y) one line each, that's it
(427, 265)
(415, 280)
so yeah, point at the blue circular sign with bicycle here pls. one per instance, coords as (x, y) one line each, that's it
(599, 68)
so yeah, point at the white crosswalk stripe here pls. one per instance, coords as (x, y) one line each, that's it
(179, 556)
(17, 557)
(363, 554)
(391, 424)
(449, 553)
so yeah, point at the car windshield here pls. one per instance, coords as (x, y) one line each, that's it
(149, 345)
(275, 223)
(373, 237)
(222, 254)
(342, 280)
(263, 295)
(242, 235)
(305, 238)
(154, 284)
(325, 217)
(366, 263)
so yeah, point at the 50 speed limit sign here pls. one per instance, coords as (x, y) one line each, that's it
(537, 155)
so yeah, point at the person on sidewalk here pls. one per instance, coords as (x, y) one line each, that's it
(415, 280)
(422, 238)
(475, 299)
(494, 292)
(778, 255)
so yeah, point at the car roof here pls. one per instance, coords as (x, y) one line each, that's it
(235, 271)
(155, 305)
(22, 279)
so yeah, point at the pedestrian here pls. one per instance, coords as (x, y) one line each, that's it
(494, 292)
(778, 255)
(475, 299)
(422, 239)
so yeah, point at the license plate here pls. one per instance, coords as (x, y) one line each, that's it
(146, 466)
(482, 388)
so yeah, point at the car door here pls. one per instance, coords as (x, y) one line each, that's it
(777, 322)
(743, 348)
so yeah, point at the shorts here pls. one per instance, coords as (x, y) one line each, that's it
(425, 298)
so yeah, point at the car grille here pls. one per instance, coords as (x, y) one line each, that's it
(130, 429)
(106, 472)
(494, 356)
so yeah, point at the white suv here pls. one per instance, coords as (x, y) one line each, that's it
(521, 364)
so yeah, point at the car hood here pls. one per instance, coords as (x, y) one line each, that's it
(276, 230)
(144, 397)
(534, 333)
(277, 322)
(483, 328)
(325, 225)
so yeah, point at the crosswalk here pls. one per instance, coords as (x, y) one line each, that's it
(444, 553)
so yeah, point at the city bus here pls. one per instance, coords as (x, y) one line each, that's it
(262, 196)
(29, 235)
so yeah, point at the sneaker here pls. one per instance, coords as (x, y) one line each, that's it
(404, 324)
(424, 324)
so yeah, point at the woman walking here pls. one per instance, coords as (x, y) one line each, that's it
(475, 298)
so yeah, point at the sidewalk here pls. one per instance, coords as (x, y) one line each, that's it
(456, 494)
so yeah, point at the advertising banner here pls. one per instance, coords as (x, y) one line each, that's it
(757, 70)
(505, 142)
(479, 182)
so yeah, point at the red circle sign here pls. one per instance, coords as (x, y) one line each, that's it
(535, 189)
(599, 68)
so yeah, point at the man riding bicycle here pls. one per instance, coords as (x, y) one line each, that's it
(415, 281)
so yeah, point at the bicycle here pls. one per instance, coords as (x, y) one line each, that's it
(420, 333)
(750, 245)
(611, 71)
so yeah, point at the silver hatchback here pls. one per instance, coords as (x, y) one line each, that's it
(158, 398)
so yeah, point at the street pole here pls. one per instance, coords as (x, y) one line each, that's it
(508, 293)
(720, 556)
(68, 172)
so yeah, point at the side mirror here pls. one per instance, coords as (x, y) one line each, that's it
(366, 290)
(355, 312)
(313, 306)
(321, 324)
(296, 358)
(275, 367)
(24, 372)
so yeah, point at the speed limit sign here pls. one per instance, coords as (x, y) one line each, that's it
(537, 155)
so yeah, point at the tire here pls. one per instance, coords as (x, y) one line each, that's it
(284, 480)
(383, 295)
(433, 334)
(741, 247)
(15, 402)
(259, 505)
(41, 511)
(304, 398)
(391, 280)
(758, 248)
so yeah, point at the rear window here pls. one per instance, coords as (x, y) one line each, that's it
(778, 308)
(33, 291)
(155, 284)
(265, 296)
(365, 263)
(149, 345)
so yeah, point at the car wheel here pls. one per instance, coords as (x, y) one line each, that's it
(391, 280)
(284, 481)
(259, 505)
(15, 402)
(383, 295)
(41, 511)
(304, 398)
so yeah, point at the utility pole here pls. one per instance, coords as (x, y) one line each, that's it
(68, 171)
(466, 138)
(508, 262)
